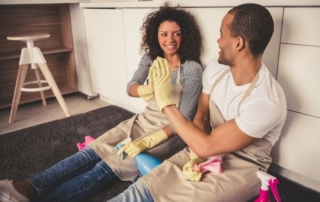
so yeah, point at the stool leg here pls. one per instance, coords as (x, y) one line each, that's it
(37, 72)
(22, 72)
(48, 76)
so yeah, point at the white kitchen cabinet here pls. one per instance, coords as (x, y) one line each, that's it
(271, 54)
(80, 49)
(106, 51)
(298, 147)
(299, 75)
(301, 26)
(209, 20)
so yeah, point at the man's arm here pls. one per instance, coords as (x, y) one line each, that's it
(202, 116)
(224, 139)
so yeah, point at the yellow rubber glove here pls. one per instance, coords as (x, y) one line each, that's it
(137, 146)
(146, 92)
(162, 83)
(187, 169)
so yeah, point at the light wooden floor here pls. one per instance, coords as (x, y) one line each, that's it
(35, 113)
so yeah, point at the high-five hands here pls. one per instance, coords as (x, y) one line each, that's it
(162, 83)
(159, 84)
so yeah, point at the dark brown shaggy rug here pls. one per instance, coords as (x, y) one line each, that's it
(29, 151)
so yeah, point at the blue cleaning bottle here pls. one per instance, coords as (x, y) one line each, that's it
(145, 162)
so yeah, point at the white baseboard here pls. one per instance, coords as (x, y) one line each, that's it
(113, 102)
(295, 177)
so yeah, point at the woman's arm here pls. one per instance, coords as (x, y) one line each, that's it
(133, 90)
(140, 76)
(192, 86)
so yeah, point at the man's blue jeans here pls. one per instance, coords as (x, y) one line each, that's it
(137, 192)
(74, 179)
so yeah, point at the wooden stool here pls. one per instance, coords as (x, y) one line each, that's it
(32, 55)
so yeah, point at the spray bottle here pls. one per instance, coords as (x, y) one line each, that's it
(145, 162)
(266, 181)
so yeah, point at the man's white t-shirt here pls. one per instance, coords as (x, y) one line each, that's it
(261, 115)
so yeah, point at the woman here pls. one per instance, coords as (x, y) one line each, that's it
(171, 33)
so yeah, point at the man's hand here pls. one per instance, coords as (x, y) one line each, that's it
(137, 146)
(188, 171)
(162, 83)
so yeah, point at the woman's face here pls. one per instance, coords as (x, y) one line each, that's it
(169, 37)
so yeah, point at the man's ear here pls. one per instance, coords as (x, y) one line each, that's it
(240, 43)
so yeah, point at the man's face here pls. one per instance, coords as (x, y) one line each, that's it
(226, 42)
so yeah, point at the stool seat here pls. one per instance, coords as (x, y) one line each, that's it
(33, 56)
(28, 37)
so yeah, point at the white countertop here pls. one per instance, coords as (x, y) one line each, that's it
(157, 3)
(194, 3)
(15, 2)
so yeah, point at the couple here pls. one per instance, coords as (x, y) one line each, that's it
(241, 111)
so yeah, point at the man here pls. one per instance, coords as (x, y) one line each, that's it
(246, 109)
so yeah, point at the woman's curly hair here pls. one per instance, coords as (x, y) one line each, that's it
(191, 43)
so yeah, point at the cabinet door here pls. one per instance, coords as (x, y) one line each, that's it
(299, 75)
(298, 148)
(209, 20)
(271, 54)
(133, 19)
(105, 42)
(301, 26)
(80, 50)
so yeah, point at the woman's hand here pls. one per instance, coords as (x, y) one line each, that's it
(146, 92)
(137, 146)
